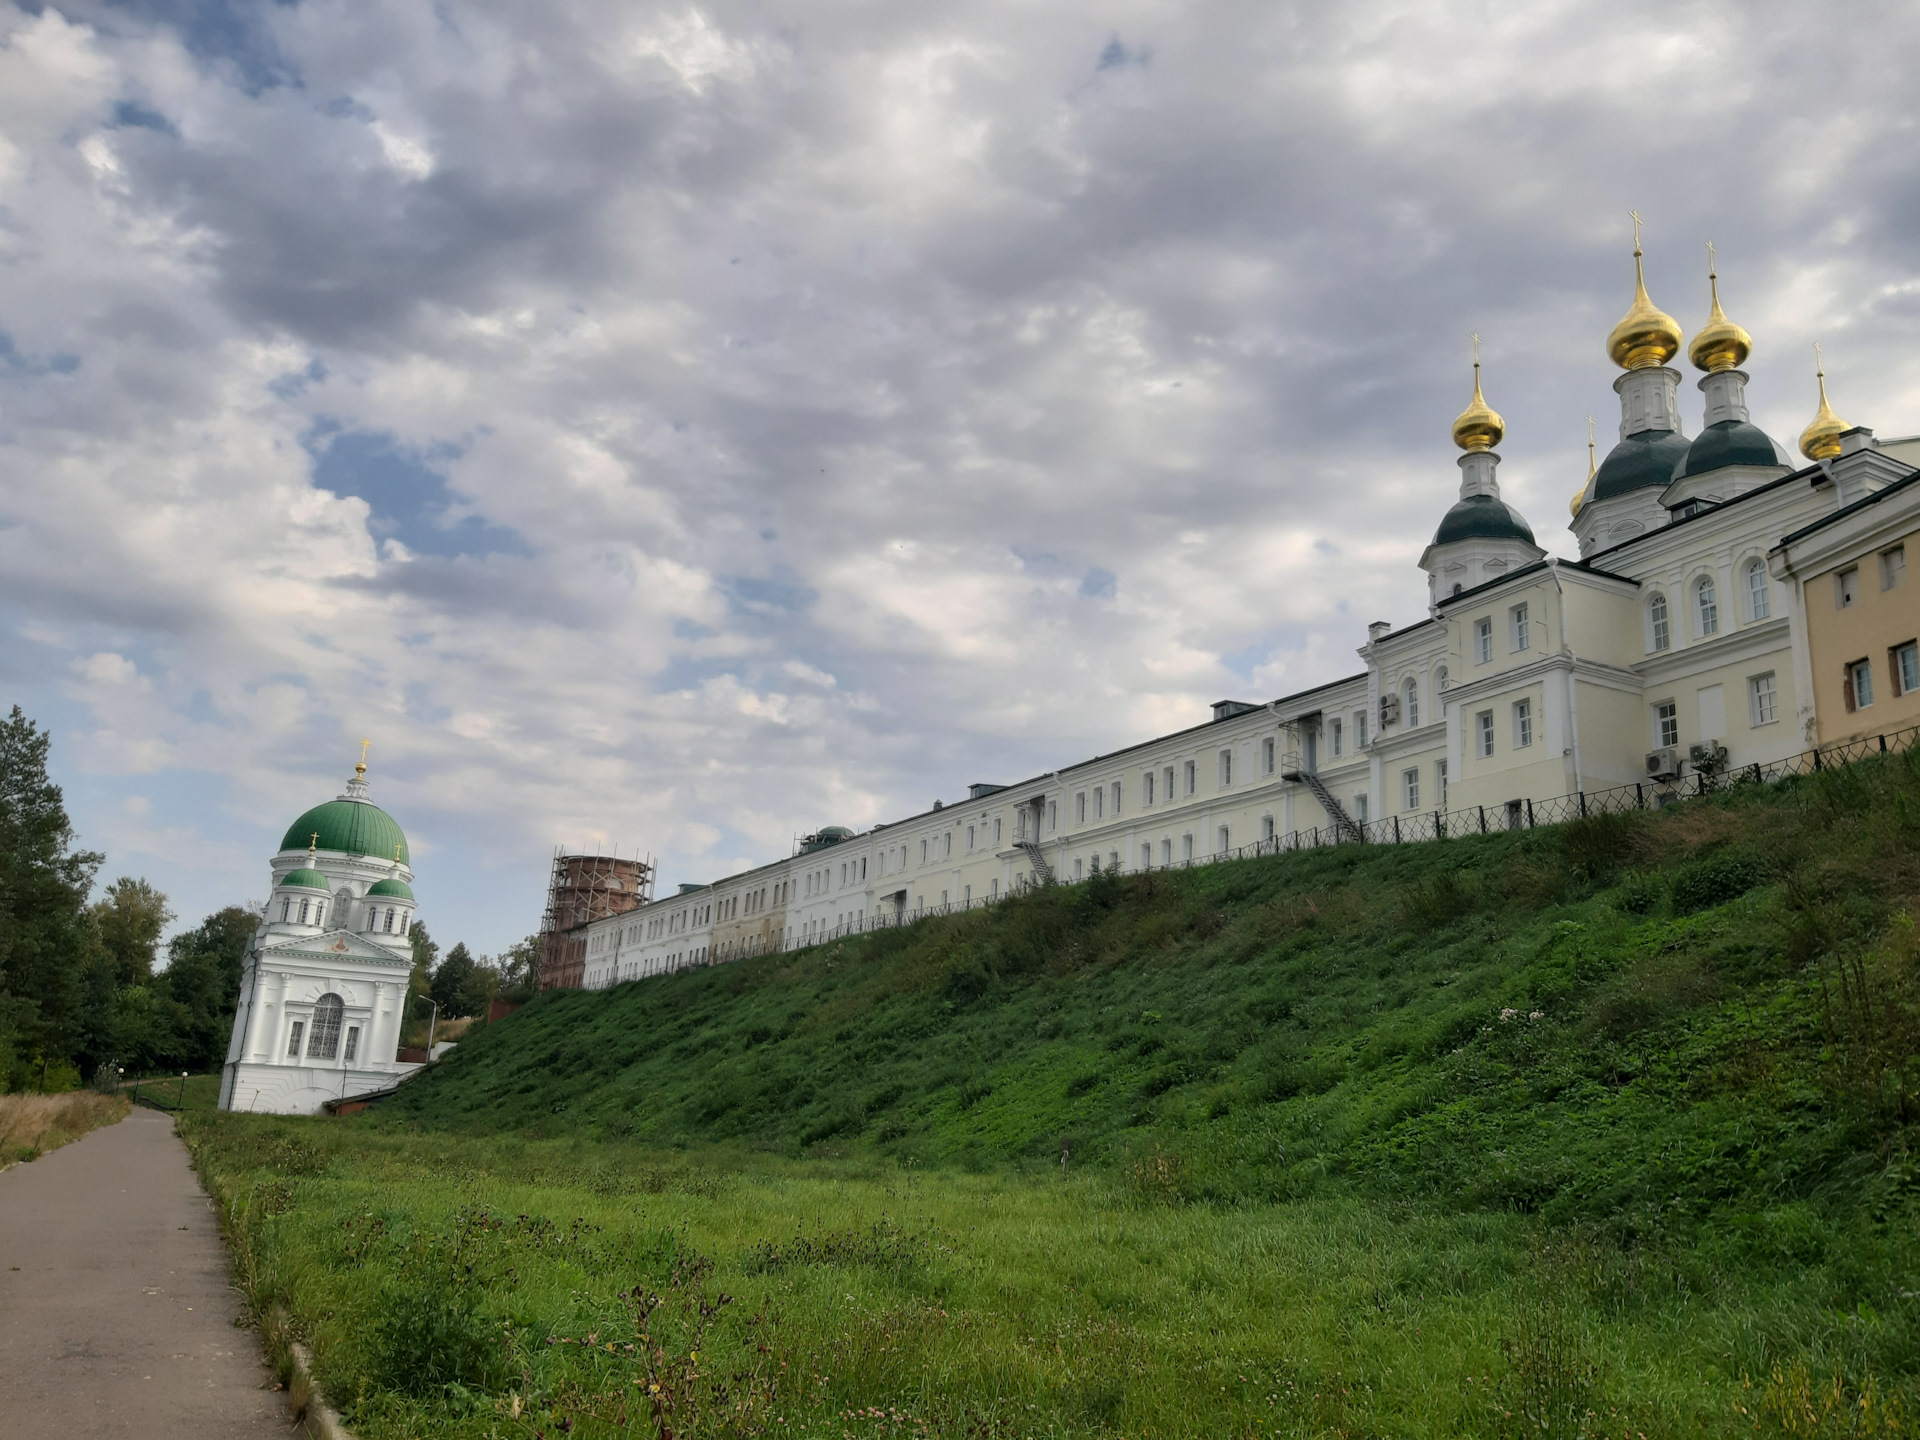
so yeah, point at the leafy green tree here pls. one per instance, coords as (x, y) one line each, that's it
(129, 920)
(44, 883)
(482, 985)
(519, 966)
(452, 980)
(203, 978)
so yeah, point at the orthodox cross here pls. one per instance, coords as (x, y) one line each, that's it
(1634, 215)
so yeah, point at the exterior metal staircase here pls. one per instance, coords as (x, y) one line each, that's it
(1042, 872)
(1343, 826)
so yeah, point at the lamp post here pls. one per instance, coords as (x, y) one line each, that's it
(432, 1021)
(181, 1103)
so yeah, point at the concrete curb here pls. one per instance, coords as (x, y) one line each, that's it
(317, 1418)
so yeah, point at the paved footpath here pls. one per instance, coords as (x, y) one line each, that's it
(116, 1316)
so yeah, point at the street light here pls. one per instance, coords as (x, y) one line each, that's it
(181, 1103)
(432, 1021)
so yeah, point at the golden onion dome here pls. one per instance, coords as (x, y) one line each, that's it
(1479, 426)
(1821, 439)
(1646, 336)
(1721, 344)
(1580, 495)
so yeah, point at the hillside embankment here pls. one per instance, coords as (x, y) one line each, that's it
(1602, 1130)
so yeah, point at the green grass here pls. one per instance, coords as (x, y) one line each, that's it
(1610, 1126)
(201, 1092)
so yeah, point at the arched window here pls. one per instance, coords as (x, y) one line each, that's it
(305, 907)
(1657, 616)
(389, 925)
(286, 908)
(319, 912)
(1706, 605)
(323, 1043)
(1440, 678)
(1759, 592)
(1413, 703)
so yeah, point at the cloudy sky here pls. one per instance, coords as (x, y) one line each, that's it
(676, 427)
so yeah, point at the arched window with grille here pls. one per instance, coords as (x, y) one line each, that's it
(389, 924)
(1413, 703)
(1706, 605)
(323, 1042)
(1662, 632)
(1759, 592)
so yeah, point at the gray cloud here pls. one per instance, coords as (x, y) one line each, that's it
(683, 427)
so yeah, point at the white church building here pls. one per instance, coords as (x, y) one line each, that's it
(323, 991)
(1732, 606)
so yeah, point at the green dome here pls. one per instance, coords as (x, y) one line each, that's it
(352, 827)
(305, 879)
(1642, 461)
(1481, 517)
(392, 886)
(1730, 442)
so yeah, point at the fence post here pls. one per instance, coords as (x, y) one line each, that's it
(1583, 804)
(1483, 819)
(1396, 829)
(1439, 826)
(1639, 795)
(1883, 744)
(1529, 812)
(1816, 759)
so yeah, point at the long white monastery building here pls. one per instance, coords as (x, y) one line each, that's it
(1679, 637)
(323, 991)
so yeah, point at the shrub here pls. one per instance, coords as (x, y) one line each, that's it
(425, 1340)
(1714, 881)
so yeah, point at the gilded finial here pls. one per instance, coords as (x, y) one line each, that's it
(1821, 439)
(1646, 336)
(313, 844)
(1479, 427)
(1580, 495)
(361, 768)
(1721, 344)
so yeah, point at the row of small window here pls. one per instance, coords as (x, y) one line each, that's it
(1519, 635)
(324, 1041)
(1706, 606)
(314, 912)
(1903, 667)
(1410, 788)
(754, 900)
(1846, 583)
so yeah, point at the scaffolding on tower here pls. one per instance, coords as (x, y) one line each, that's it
(583, 889)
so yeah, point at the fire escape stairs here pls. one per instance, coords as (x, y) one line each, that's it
(1043, 872)
(1343, 826)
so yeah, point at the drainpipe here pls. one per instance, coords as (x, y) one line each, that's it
(1573, 693)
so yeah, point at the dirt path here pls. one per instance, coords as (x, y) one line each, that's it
(116, 1318)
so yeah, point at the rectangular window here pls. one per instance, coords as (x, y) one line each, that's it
(1166, 852)
(1904, 662)
(1440, 775)
(1116, 799)
(1763, 706)
(1268, 754)
(1483, 640)
(1266, 827)
(1080, 808)
(1893, 567)
(1360, 808)
(1146, 856)
(996, 832)
(293, 1040)
(1846, 587)
(1146, 788)
(1410, 790)
(969, 837)
(1859, 685)
(1100, 803)
(1226, 768)
(1521, 630)
(1666, 723)
(1186, 847)
(1339, 735)
(1522, 724)
(353, 1043)
(1193, 776)
(1360, 729)
(1484, 720)
(1225, 843)
(1053, 815)
(1168, 776)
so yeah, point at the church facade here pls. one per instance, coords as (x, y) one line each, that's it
(1732, 605)
(324, 988)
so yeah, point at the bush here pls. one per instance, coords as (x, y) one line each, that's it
(1714, 881)
(424, 1341)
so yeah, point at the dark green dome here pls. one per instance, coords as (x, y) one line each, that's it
(352, 827)
(305, 879)
(1638, 462)
(1481, 517)
(392, 886)
(1730, 442)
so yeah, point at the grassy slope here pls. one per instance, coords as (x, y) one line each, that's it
(31, 1125)
(1643, 1022)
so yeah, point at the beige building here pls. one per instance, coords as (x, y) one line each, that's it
(1698, 630)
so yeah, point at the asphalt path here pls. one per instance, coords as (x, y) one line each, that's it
(116, 1315)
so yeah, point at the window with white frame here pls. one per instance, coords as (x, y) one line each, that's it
(1225, 842)
(1080, 808)
(324, 1041)
(1483, 723)
(1763, 705)
(293, 1038)
(1893, 567)
(1659, 630)
(1412, 703)
(1522, 631)
(1706, 606)
(1859, 684)
(1522, 724)
(1076, 867)
(1167, 775)
(996, 832)
(1146, 788)
(353, 1044)
(1440, 779)
(1483, 640)
(1759, 591)
(1100, 802)
(923, 852)
(1410, 789)
(1666, 724)
(1116, 799)
(1146, 856)
(969, 837)
(1226, 768)
(1904, 662)
(1186, 847)
(1166, 852)
(1336, 733)
(1267, 752)
(305, 908)
(1193, 777)
(1360, 728)
(1360, 807)
(1440, 679)
(1266, 827)
(1846, 587)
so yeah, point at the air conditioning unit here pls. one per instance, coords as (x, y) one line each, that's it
(1709, 756)
(1389, 710)
(1663, 764)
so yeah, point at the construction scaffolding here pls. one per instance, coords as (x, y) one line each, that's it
(585, 888)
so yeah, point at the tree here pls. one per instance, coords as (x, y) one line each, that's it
(44, 883)
(451, 982)
(203, 978)
(129, 920)
(520, 970)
